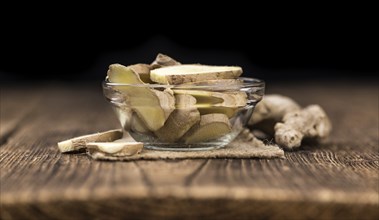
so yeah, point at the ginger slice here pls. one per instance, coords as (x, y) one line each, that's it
(225, 99)
(193, 73)
(137, 125)
(166, 100)
(143, 70)
(228, 111)
(152, 106)
(163, 60)
(124, 115)
(209, 102)
(181, 120)
(214, 85)
(79, 143)
(118, 149)
(310, 122)
(210, 127)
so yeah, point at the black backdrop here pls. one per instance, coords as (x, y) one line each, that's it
(303, 48)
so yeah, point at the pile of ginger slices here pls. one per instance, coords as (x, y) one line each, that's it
(174, 115)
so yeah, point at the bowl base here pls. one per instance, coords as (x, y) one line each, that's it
(185, 147)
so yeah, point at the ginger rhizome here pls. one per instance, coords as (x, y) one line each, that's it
(310, 122)
(283, 118)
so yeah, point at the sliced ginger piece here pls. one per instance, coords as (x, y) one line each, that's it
(126, 138)
(225, 99)
(163, 60)
(118, 149)
(207, 109)
(210, 127)
(166, 100)
(193, 73)
(152, 106)
(79, 143)
(124, 115)
(143, 70)
(137, 125)
(215, 84)
(181, 120)
(209, 102)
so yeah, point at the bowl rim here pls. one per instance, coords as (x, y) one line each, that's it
(247, 82)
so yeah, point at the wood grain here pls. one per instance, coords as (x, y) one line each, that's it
(334, 179)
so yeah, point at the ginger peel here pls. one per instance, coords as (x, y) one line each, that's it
(283, 118)
(310, 122)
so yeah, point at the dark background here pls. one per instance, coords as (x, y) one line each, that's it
(288, 47)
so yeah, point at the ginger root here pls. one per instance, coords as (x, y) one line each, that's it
(271, 110)
(310, 122)
(283, 118)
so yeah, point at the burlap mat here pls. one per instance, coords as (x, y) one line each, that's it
(241, 147)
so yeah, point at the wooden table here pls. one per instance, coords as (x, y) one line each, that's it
(334, 179)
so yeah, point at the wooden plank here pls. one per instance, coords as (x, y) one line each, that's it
(172, 208)
(337, 178)
(15, 105)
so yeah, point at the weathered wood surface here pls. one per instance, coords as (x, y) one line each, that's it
(338, 178)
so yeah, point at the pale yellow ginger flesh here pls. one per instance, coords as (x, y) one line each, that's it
(209, 102)
(193, 73)
(79, 143)
(137, 125)
(124, 115)
(143, 70)
(181, 120)
(210, 127)
(210, 98)
(119, 149)
(113, 142)
(152, 106)
(310, 122)
(228, 111)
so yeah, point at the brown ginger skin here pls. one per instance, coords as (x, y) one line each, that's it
(270, 110)
(163, 60)
(180, 120)
(310, 122)
(143, 70)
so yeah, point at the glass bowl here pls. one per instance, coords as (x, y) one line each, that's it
(195, 116)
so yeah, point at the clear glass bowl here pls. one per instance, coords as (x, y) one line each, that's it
(159, 116)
